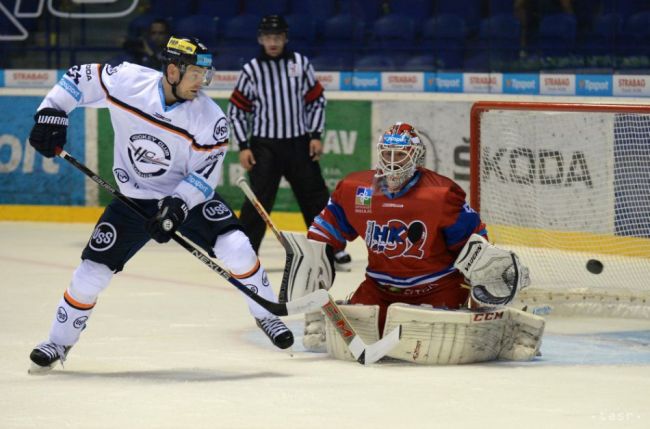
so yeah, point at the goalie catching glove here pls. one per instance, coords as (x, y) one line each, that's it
(495, 275)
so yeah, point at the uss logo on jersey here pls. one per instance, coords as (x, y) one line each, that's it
(362, 200)
(149, 156)
(216, 210)
(395, 238)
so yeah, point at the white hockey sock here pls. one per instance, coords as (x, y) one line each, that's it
(237, 254)
(70, 320)
(78, 301)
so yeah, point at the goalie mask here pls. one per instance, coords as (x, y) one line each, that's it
(400, 152)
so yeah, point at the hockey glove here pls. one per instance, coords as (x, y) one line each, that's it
(49, 131)
(171, 214)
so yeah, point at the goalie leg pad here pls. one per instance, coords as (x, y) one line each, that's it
(524, 336)
(314, 338)
(364, 320)
(442, 337)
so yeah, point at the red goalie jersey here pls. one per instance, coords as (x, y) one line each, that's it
(412, 237)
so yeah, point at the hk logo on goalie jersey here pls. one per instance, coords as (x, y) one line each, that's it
(396, 238)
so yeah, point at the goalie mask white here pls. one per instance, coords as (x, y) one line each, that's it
(400, 152)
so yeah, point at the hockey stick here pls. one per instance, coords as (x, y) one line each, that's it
(304, 304)
(290, 254)
(363, 353)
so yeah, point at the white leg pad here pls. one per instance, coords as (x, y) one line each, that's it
(441, 337)
(364, 320)
(314, 337)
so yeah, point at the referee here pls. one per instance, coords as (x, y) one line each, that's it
(281, 105)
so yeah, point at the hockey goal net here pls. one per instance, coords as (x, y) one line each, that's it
(563, 184)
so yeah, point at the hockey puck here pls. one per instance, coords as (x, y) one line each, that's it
(594, 266)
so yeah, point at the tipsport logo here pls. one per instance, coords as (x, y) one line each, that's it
(80, 9)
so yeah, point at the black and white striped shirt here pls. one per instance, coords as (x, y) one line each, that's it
(277, 98)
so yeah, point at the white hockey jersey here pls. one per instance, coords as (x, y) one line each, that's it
(159, 150)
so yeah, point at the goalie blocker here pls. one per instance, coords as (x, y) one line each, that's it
(309, 266)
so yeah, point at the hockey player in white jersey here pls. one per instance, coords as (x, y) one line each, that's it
(169, 148)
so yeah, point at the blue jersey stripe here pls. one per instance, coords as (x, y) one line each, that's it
(340, 217)
(329, 228)
(468, 220)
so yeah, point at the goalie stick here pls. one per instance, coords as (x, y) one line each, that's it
(304, 304)
(365, 354)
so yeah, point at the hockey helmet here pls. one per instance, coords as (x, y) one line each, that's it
(400, 151)
(272, 24)
(184, 51)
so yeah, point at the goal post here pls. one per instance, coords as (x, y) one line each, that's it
(563, 184)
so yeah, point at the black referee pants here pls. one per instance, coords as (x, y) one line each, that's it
(275, 158)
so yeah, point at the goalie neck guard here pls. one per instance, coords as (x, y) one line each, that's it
(400, 152)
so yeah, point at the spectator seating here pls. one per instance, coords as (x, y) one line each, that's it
(333, 62)
(444, 37)
(625, 8)
(317, 9)
(341, 35)
(364, 10)
(224, 9)
(416, 10)
(498, 43)
(266, 7)
(420, 63)
(557, 35)
(375, 62)
(302, 33)
(203, 27)
(140, 24)
(604, 37)
(635, 39)
(241, 30)
(469, 10)
(392, 33)
(498, 7)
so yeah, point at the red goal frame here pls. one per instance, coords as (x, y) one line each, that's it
(482, 106)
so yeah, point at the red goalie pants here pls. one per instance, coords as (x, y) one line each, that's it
(446, 292)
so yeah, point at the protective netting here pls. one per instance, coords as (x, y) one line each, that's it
(565, 187)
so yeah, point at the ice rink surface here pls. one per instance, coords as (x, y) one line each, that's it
(172, 345)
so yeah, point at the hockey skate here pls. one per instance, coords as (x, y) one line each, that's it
(342, 261)
(277, 331)
(45, 356)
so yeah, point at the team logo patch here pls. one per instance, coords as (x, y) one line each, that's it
(112, 70)
(253, 288)
(265, 280)
(121, 175)
(61, 315)
(149, 156)
(362, 199)
(74, 73)
(216, 210)
(396, 238)
(220, 132)
(103, 238)
(80, 322)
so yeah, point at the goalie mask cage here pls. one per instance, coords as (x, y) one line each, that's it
(561, 184)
